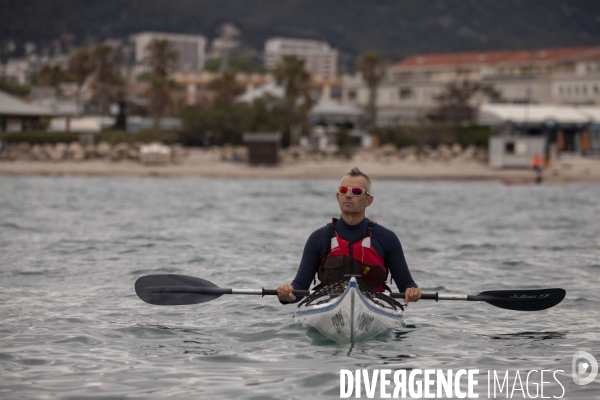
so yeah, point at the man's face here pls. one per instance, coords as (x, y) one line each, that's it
(348, 202)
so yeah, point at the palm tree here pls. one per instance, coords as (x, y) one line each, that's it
(454, 102)
(297, 84)
(162, 59)
(295, 79)
(226, 87)
(80, 68)
(53, 76)
(108, 83)
(160, 97)
(372, 68)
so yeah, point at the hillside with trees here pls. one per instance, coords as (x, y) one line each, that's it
(395, 29)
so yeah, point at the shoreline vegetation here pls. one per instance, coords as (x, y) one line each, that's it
(229, 162)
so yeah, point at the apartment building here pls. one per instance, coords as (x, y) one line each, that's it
(17, 71)
(320, 58)
(191, 48)
(548, 76)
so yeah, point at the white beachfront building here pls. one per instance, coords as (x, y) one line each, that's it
(546, 76)
(320, 58)
(191, 48)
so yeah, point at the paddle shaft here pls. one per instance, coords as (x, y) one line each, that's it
(219, 291)
(297, 292)
(273, 292)
(174, 289)
(463, 297)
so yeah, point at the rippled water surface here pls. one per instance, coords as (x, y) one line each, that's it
(72, 248)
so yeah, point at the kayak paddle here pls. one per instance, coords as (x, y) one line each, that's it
(519, 300)
(172, 290)
(175, 290)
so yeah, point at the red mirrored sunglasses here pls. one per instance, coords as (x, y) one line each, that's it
(356, 191)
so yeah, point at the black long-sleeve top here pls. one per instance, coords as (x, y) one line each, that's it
(384, 241)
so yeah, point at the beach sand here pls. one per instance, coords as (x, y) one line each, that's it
(567, 169)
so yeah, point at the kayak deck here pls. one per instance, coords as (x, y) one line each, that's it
(349, 312)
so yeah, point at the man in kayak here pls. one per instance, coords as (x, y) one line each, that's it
(353, 244)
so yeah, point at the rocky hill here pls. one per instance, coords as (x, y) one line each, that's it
(394, 28)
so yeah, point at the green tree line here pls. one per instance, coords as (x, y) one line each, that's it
(222, 119)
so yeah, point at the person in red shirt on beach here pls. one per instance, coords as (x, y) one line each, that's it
(537, 163)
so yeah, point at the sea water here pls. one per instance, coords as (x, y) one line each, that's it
(72, 326)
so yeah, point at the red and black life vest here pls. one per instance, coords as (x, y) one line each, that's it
(358, 257)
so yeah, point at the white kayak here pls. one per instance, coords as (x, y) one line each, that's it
(349, 313)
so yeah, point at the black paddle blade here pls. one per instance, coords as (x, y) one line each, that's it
(521, 300)
(174, 290)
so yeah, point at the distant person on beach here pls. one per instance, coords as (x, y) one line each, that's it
(353, 244)
(206, 140)
(538, 165)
